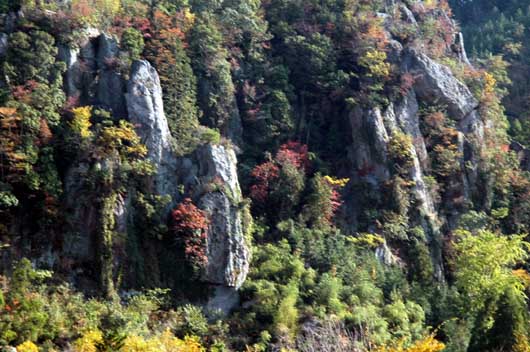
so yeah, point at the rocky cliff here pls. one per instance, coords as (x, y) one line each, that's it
(436, 201)
(208, 175)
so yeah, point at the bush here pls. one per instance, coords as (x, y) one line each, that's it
(189, 227)
(400, 152)
(132, 40)
(27, 346)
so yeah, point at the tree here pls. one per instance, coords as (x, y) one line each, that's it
(484, 263)
(132, 41)
(166, 50)
(80, 123)
(211, 66)
(279, 182)
(189, 227)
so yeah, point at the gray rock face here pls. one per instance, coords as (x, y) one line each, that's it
(372, 129)
(107, 49)
(523, 155)
(384, 254)
(90, 75)
(370, 139)
(436, 84)
(3, 44)
(227, 248)
(111, 84)
(81, 67)
(79, 243)
(403, 117)
(146, 111)
(407, 15)
(209, 174)
(72, 79)
(460, 49)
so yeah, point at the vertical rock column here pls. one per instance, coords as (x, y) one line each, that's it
(227, 248)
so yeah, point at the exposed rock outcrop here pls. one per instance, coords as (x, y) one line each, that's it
(111, 84)
(91, 75)
(146, 110)
(372, 130)
(460, 49)
(227, 248)
(523, 155)
(209, 175)
(436, 85)
(81, 67)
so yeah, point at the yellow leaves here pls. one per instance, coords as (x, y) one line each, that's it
(108, 7)
(138, 344)
(88, 342)
(7, 112)
(80, 123)
(521, 343)
(489, 83)
(430, 4)
(189, 18)
(27, 346)
(427, 344)
(375, 62)
(336, 182)
(124, 139)
(93, 12)
(523, 276)
(165, 342)
(367, 240)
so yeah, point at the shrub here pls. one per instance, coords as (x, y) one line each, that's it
(209, 135)
(88, 342)
(189, 227)
(27, 346)
(281, 180)
(400, 151)
(324, 200)
(80, 123)
(427, 344)
(132, 41)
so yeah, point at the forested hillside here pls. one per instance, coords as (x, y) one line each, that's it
(264, 175)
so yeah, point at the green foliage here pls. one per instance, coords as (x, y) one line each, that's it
(179, 84)
(32, 57)
(215, 86)
(132, 41)
(274, 285)
(290, 70)
(484, 262)
(400, 151)
(26, 316)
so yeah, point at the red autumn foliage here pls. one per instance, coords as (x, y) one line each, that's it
(292, 153)
(22, 92)
(189, 225)
(13, 164)
(71, 102)
(407, 82)
(264, 174)
(45, 134)
(83, 9)
(335, 202)
(139, 23)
